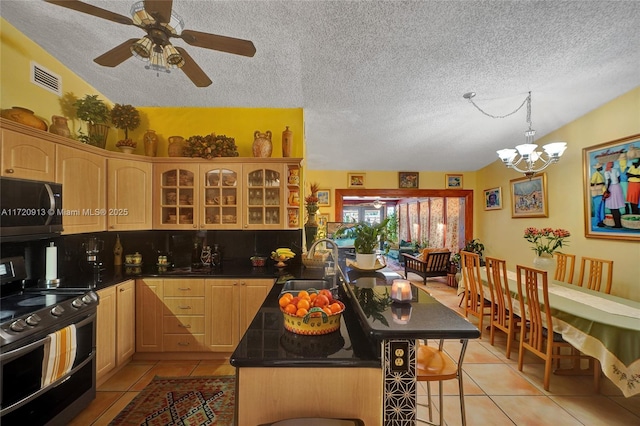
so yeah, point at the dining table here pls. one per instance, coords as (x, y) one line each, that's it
(600, 325)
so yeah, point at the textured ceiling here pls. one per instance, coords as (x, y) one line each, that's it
(380, 82)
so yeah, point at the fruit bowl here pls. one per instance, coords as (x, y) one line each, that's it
(316, 322)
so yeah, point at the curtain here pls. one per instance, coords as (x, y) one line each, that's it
(403, 220)
(436, 222)
(414, 223)
(452, 237)
(424, 222)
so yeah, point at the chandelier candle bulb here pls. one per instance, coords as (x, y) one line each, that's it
(401, 290)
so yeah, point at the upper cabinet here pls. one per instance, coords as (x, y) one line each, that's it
(27, 157)
(221, 196)
(129, 195)
(83, 178)
(264, 196)
(176, 199)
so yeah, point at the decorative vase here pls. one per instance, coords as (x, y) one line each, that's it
(150, 143)
(176, 145)
(287, 142)
(546, 262)
(126, 149)
(312, 209)
(98, 133)
(310, 232)
(262, 145)
(23, 116)
(59, 126)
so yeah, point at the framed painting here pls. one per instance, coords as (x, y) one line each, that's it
(324, 197)
(453, 181)
(493, 198)
(323, 219)
(355, 180)
(611, 187)
(529, 197)
(408, 180)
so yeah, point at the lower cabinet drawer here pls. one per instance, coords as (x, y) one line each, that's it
(184, 306)
(184, 343)
(184, 324)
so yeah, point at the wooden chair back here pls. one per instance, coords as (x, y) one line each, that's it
(473, 284)
(535, 313)
(503, 318)
(565, 265)
(592, 273)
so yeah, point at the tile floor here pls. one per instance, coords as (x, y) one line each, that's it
(496, 393)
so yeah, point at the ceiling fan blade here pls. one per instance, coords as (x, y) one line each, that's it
(159, 9)
(117, 55)
(192, 70)
(92, 10)
(217, 42)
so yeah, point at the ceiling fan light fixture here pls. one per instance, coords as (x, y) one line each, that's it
(142, 48)
(158, 61)
(175, 24)
(174, 58)
(140, 15)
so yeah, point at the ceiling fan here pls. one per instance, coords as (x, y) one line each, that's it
(161, 24)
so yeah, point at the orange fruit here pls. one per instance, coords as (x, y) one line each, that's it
(304, 304)
(301, 312)
(312, 297)
(327, 310)
(284, 301)
(291, 309)
(303, 294)
(335, 307)
(327, 294)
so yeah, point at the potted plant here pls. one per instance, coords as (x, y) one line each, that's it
(475, 246)
(125, 117)
(367, 238)
(96, 114)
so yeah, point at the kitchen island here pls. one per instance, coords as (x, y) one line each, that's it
(350, 373)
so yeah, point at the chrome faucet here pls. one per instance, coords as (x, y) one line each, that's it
(334, 255)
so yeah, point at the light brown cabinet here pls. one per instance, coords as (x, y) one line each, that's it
(115, 330)
(264, 196)
(230, 306)
(149, 315)
(221, 196)
(27, 157)
(176, 198)
(183, 315)
(83, 178)
(129, 195)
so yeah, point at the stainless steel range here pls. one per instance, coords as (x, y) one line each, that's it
(47, 349)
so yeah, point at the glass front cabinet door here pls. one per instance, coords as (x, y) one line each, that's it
(176, 188)
(221, 196)
(263, 196)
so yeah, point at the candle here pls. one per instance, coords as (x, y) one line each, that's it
(401, 290)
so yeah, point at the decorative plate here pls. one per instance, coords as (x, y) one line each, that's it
(353, 264)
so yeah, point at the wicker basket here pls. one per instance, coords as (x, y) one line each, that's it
(312, 325)
(315, 261)
(630, 224)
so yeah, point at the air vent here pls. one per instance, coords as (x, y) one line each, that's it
(40, 76)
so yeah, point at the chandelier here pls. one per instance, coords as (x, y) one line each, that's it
(155, 47)
(378, 204)
(524, 158)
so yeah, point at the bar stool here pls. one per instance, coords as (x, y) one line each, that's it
(435, 365)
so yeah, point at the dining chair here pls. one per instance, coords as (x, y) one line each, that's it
(504, 318)
(592, 272)
(433, 364)
(565, 265)
(476, 303)
(537, 322)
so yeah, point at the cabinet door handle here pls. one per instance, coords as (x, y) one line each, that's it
(184, 325)
(10, 171)
(184, 288)
(183, 343)
(184, 307)
(242, 283)
(121, 290)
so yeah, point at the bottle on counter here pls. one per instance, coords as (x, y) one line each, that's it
(195, 256)
(117, 252)
(216, 256)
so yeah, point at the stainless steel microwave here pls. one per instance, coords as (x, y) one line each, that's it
(29, 209)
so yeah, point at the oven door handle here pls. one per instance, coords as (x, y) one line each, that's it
(17, 352)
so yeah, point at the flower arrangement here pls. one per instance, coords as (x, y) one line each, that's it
(546, 240)
(210, 146)
(125, 117)
(312, 198)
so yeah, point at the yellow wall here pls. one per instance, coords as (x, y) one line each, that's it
(17, 51)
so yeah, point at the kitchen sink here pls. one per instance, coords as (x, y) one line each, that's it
(294, 286)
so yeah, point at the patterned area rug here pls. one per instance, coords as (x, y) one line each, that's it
(182, 401)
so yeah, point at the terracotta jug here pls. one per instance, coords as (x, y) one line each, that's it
(262, 145)
(59, 126)
(176, 144)
(287, 142)
(150, 143)
(23, 116)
